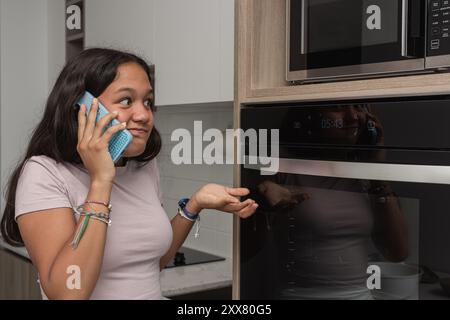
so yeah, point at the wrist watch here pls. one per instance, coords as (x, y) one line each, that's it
(184, 212)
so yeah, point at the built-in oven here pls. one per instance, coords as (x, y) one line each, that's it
(359, 206)
(331, 39)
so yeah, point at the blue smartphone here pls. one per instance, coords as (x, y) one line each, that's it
(120, 140)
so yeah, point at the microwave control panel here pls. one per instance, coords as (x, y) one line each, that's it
(438, 40)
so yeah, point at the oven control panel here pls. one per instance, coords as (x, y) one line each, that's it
(438, 41)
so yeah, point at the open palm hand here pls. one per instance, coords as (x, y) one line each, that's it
(222, 198)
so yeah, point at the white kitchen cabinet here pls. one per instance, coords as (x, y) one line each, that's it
(191, 42)
(194, 51)
(119, 24)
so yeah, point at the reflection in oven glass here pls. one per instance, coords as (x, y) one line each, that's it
(324, 227)
(328, 237)
(336, 238)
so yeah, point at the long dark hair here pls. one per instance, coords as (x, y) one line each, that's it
(56, 134)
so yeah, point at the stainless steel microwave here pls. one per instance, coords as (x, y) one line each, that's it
(332, 39)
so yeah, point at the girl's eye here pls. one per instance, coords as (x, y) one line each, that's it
(125, 101)
(148, 103)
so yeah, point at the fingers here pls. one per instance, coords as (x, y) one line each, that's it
(102, 123)
(237, 192)
(247, 211)
(301, 196)
(90, 121)
(88, 128)
(111, 131)
(234, 207)
(81, 122)
(231, 199)
(243, 209)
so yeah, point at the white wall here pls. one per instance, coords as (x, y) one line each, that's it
(56, 39)
(182, 181)
(31, 56)
(24, 74)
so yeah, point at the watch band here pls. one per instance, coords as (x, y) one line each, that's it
(184, 212)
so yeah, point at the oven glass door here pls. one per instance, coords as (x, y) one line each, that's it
(334, 230)
(336, 33)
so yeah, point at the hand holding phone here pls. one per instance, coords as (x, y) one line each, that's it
(120, 140)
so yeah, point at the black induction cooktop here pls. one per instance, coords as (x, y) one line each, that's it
(186, 256)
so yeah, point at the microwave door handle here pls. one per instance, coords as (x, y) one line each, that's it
(404, 40)
(303, 28)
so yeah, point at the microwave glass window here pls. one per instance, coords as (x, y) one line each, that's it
(339, 24)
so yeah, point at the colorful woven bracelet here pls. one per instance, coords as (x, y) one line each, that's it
(81, 212)
(86, 216)
(108, 205)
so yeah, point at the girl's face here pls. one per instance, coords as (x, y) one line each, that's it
(131, 95)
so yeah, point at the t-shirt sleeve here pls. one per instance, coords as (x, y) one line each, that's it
(40, 187)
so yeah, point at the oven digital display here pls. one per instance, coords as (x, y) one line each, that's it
(332, 123)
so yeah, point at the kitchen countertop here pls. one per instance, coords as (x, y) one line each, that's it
(195, 278)
(178, 280)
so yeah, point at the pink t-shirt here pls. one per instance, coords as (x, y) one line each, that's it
(140, 232)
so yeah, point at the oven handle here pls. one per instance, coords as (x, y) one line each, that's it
(405, 10)
(355, 170)
(303, 28)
